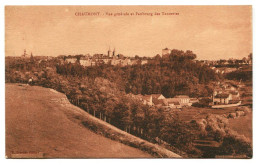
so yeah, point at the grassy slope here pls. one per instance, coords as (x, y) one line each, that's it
(243, 125)
(36, 122)
(42, 120)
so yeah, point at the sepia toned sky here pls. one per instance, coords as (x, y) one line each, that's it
(211, 32)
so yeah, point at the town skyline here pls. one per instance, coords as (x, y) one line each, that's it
(112, 52)
(211, 32)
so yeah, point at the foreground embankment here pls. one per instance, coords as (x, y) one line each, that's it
(41, 123)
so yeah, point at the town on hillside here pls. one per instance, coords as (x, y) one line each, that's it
(172, 99)
(226, 93)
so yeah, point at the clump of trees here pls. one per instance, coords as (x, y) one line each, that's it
(234, 145)
(179, 55)
(174, 74)
(231, 143)
(244, 75)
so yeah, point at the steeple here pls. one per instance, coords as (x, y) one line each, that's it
(24, 53)
(114, 52)
(31, 58)
(109, 52)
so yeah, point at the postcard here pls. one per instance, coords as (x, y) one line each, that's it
(128, 82)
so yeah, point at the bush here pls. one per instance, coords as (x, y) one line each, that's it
(235, 146)
(232, 115)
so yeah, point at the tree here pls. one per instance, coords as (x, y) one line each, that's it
(137, 57)
(244, 60)
(157, 57)
(120, 115)
(190, 55)
(250, 56)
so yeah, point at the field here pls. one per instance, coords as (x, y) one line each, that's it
(242, 124)
(41, 123)
(189, 113)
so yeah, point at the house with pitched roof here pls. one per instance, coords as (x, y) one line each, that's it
(166, 51)
(151, 100)
(174, 103)
(235, 95)
(85, 62)
(184, 100)
(158, 96)
(222, 98)
(147, 100)
(71, 60)
(160, 102)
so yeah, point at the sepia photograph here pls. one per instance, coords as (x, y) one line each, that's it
(128, 82)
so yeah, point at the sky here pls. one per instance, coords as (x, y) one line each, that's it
(211, 32)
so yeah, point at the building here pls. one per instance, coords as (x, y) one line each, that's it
(125, 62)
(217, 91)
(166, 51)
(194, 100)
(151, 100)
(106, 60)
(109, 52)
(85, 62)
(160, 102)
(184, 100)
(158, 96)
(144, 62)
(222, 98)
(230, 88)
(235, 95)
(71, 60)
(228, 70)
(25, 55)
(134, 62)
(114, 52)
(225, 93)
(147, 100)
(115, 61)
(173, 103)
(98, 56)
(180, 101)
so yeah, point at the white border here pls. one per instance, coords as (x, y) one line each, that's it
(256, 69)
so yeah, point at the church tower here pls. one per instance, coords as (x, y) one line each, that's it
(166, 51)
(31, 58)
(109, 52)
(114, 52)
(24, 53)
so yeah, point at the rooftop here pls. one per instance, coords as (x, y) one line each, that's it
(233, 92)
(156, 95)
(182, 96)
(222, 95)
